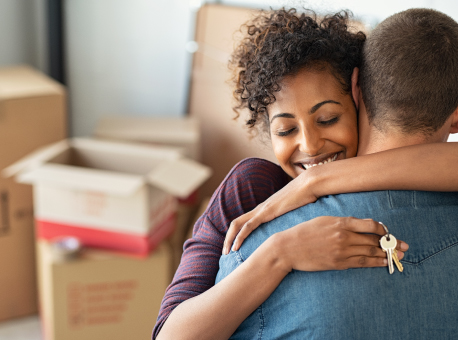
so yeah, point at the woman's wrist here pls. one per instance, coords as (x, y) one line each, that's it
(275, 250)
(312, 181)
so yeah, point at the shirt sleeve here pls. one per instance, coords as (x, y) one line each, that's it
(248, 184)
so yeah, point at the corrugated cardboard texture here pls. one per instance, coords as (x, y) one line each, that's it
(224, 141)
(32, 114)
(101, 295)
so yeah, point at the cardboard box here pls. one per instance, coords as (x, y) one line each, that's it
(179, 132)
(113, 195)
(225, 141)
(32, 114)
(101, 295)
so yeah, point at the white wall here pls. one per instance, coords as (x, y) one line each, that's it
(126, 57)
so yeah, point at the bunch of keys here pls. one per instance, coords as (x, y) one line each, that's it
(388, 244)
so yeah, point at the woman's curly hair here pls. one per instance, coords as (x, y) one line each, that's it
(279, 43)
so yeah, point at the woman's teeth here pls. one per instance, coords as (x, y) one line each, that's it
(329, 160)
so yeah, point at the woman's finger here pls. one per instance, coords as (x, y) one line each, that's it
(365, 262)
(362, 225)
(246, 230)
(232, 232)
(364, 250)
(350, 238)
(369, 226)
(234, 228)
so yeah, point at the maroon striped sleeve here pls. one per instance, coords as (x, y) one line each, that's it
(249, 183)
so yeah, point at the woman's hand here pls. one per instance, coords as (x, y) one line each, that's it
(295, 194)
(333, 243)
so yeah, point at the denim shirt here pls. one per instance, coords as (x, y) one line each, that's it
(419, 303)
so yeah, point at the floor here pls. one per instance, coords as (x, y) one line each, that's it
(27, 328)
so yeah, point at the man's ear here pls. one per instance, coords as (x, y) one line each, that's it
(355, 89)
(454, 122)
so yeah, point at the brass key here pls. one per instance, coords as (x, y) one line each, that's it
(396, 260)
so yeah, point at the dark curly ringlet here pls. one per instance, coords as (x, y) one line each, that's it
(279, 43)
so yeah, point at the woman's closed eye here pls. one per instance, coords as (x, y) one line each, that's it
(329, 121)
(282, 133)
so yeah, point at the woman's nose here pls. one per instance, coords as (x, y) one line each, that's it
(310, 141)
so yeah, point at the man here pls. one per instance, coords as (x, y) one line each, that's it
(409, 86)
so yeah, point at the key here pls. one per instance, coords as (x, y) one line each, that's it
(396, 260)
(388, 244)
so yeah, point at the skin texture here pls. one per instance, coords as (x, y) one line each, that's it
(311, 121)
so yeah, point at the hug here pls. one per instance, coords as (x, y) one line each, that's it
(357, 125)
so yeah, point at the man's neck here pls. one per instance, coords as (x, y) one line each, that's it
(377, 141)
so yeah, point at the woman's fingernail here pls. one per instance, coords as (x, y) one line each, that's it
(385, 262)
(404, 246)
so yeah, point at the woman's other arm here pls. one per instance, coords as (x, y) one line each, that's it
(428, 167)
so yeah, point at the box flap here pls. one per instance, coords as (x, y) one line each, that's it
(128, 148)
(149, 129)
(83, 179)
(24, 81)
(179, 177)
(36, 158)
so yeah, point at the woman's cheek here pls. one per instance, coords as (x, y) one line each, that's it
(280, 148)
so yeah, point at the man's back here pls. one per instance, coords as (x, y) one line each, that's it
(420, 303)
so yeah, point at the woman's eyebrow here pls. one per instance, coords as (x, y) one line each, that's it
(283, 115)
(317, 106)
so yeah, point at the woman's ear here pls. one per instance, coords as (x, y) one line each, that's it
(355, 90)
(454, 122)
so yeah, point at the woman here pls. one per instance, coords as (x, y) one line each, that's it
(283, 56)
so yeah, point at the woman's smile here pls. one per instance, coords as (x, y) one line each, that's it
(312, 121)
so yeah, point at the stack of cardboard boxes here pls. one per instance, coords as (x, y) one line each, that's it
(32, 114)
(119, 199)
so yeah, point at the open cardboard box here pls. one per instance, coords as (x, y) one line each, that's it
(181, 132)
(111, 195)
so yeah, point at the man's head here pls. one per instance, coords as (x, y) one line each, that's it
(409, 74)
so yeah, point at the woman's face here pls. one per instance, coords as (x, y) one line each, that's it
(312, 122)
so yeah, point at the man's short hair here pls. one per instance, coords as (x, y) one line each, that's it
(409, 74)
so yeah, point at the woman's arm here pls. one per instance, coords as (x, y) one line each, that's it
(428, 167)
(216, 313)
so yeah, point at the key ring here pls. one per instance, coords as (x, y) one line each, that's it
(386, 230)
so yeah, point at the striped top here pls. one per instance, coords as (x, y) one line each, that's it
(249, 183)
